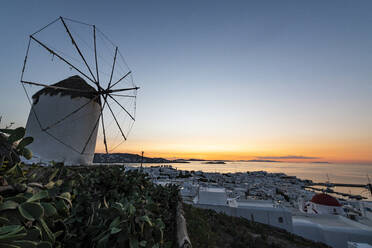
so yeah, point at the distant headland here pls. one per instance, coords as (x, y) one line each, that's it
(136, 158)
(131, 158)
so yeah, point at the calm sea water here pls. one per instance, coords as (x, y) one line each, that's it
(337, 173)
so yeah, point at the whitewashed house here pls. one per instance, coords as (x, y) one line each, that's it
(265, 212)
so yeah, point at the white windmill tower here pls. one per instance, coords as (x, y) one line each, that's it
(67, 118)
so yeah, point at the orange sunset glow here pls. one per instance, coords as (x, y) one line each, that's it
(335, 152)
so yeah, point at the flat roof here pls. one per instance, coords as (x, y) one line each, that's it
(212, 189)
(261, 204)
(330, 221)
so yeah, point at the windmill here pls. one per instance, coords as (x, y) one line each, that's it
(92, 105)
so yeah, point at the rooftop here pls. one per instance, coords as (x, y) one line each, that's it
(330, 221)
(75, 83)
(213, 190)
(324, 199)
(255, 203)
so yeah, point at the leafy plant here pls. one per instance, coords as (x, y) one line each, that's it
(114, 208)
(89, 206)
(17, 136)
(34, 216)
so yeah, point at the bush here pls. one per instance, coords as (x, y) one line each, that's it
(97, 206)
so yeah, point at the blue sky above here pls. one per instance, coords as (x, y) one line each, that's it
(255, 77)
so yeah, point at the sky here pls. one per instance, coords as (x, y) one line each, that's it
(282, 80)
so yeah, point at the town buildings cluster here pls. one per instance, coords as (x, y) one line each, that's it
(275, 199)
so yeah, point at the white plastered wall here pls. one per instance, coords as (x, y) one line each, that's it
(74, 131)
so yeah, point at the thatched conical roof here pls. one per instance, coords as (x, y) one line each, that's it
(74, 82)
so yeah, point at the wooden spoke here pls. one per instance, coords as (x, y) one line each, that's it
(122, 107)
(104, 134)
(94, 128)
(117, 123)
(113, 66)
(77, 48)
(61, 58)
(73, 112)
(121, 79)
(119, 90)
(95, 51)
(122, 95)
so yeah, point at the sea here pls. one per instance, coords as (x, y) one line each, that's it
(317, 172)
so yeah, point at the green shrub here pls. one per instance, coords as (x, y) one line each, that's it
(98, 206)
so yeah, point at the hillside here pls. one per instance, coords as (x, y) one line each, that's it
(208, 228)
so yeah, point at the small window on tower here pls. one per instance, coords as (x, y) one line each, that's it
(280, 219)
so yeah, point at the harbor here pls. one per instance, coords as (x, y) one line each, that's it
(275, 199)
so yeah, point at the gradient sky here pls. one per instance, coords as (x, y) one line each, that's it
(225, 79)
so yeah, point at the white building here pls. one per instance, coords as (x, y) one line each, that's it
(59, 136)
(333, 230)
(255, 210)
(324, 221)
(265, 212)
(358, 245)
(366, 209)
(212, 196)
